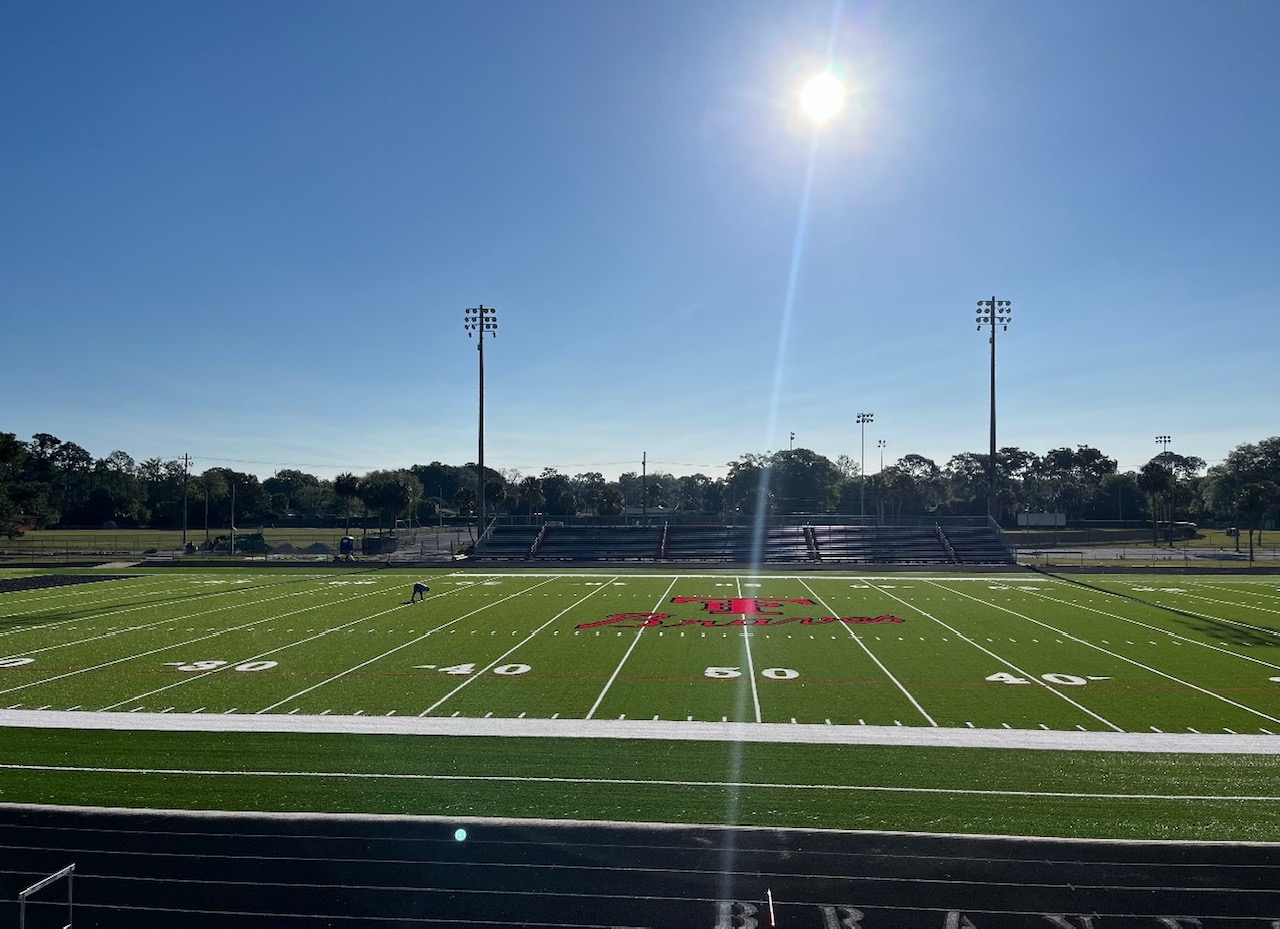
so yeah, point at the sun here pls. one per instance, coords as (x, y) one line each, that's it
(822, 97)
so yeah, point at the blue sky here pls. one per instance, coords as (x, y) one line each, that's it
(249, 231)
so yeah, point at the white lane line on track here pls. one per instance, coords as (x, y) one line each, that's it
(889, 674)
(1127, 660)
(1004, 661)
(392, 651)
(637, 782)
(634, 642)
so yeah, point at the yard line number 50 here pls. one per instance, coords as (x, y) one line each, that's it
(774, 674)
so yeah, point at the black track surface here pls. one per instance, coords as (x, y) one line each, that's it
(9, 585)
(144, 870)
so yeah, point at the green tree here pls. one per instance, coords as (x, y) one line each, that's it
(346, 487)
(1253, 502)
(390, 494)
(1155, 480)
(529, 497)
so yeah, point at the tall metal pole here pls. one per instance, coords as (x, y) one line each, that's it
(863, 419)
(186, 465)
(477, 321)
(1163, 441)
(991, 313)
(644, 485)
(881, 443)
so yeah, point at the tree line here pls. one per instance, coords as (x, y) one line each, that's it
(46, 482)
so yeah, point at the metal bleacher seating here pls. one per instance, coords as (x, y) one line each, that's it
(833, 543)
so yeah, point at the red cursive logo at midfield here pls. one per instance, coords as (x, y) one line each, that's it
(741, 606)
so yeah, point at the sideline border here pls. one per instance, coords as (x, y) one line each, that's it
(660, 730)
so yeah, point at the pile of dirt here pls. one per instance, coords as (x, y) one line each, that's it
(284, 548)
(319, 548)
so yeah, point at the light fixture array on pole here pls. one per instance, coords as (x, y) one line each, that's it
(863, 419)
(1163, 441)
(993, 313)
(477, 321)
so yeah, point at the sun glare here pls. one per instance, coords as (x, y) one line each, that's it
(822, 97)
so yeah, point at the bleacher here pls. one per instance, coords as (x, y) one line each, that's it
(507, 543)
(599, 543)
(978, 545)
(834, 543)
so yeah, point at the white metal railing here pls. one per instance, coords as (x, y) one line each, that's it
(68, 872)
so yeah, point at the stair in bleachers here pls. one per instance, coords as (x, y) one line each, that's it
(979, 545)
(507, 543)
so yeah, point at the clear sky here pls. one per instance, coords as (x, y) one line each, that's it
(249, 230)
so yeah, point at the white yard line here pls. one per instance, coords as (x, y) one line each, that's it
(414, 641)
(117, 634)
(165, 648)
(99, 617)
(57, 596)
(634, 642)
(1162, 630)
(1035, 679)
(191, 677)
(1126, 660)
(879, 664)
(664, 730)
(516, 647)
(751, 666)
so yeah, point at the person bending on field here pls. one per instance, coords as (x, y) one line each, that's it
(419, 592)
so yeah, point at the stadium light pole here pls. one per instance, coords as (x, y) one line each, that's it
(477, 321)
(1163, 441)
(863, 419)
(993, 313)
(186, 469)
(880, 443)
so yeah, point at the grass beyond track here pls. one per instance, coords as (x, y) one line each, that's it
(1013, 651)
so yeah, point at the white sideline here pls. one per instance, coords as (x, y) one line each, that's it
(1171, 742)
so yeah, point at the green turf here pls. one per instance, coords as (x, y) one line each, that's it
(757, 784)
(1017, 651)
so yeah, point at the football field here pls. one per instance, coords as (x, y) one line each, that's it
(898, 654)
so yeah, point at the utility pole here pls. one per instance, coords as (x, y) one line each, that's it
(863, 419)
(186, 466)
(993, 313)
(477, 321)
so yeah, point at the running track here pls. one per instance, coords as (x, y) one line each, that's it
(143, 869)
